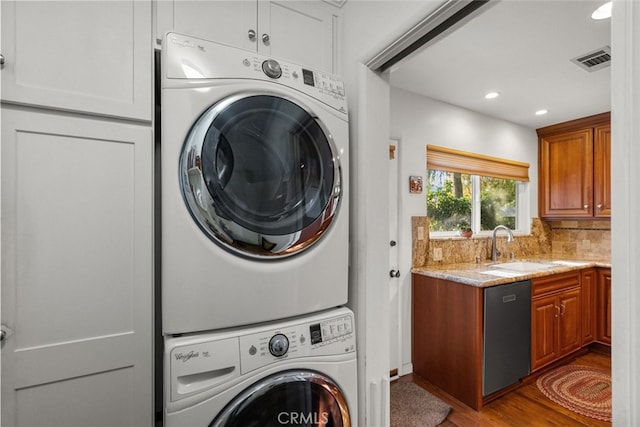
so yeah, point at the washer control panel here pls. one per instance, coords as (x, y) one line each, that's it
(313, 80)
(330, 336)
(278, 345)
(271, 68)
(203, 361)
(192, 58)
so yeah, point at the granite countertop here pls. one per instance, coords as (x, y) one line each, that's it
(486, 274)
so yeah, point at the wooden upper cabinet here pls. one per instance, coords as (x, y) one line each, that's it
(574, 168)
(566, 166)
(602, 171)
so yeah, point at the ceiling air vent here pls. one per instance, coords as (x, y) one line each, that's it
(595, 60)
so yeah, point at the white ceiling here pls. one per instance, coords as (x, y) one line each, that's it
(522, 49)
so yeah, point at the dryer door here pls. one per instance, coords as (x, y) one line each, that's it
(297, 397)
(260, 175)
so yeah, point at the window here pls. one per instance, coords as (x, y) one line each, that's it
(466, 190)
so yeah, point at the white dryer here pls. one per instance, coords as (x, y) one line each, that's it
(299, 372)
(254, 188)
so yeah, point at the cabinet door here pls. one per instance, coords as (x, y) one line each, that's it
(569, 322)
(588, 296)
(303, 32)
(227, 22)
(77, 271)
(566, 174)
(544, 331)
(602, 171)
(86, 56)
(604, 306)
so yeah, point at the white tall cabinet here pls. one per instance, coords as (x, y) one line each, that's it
(76, 193)
(77, 213)
(303, 32)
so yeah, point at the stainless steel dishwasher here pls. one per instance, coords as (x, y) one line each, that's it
(507, 335)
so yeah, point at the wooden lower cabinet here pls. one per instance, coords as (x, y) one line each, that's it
(556, 324)
(604, 306)
(447, 329)
(544, 331)
(588, 294)
(568, 311)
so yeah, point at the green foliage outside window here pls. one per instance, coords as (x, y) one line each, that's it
(449, 201)
(497, 203)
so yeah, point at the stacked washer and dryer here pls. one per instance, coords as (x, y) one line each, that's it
(254, 235)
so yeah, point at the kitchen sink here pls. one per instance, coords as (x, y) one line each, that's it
(523, 266)
(503, 273)
(571, 263)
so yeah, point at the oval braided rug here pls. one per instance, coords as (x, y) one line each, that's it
(581, 389)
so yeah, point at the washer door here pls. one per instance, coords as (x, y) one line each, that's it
(260, 175)
(299, 398)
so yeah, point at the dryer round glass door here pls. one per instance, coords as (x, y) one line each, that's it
(299, 397)
(260, 175)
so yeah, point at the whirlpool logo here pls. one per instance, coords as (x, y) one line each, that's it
(300, 418)
(185, 357)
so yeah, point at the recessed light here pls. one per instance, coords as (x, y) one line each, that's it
(492, 95)
(603, 12)
(541, 112)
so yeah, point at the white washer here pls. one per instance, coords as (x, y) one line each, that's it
(254, 167)
(299, 372)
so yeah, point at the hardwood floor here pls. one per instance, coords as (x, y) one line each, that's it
(525, 406)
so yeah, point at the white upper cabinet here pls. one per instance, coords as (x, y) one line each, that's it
(86, 56)
(304, 32)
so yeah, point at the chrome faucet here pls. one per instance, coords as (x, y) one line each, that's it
(495, 253)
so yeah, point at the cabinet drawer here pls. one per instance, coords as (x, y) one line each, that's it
(554, 283)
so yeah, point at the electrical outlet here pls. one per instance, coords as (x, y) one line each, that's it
(420, 233)
(437, 254)
(586, 244)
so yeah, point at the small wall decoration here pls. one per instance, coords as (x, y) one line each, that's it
(415, 184)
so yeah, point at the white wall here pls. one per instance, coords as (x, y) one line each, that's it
(625, 235)
(367, 28)
(417, 121)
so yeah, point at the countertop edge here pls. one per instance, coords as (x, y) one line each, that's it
(470, 274)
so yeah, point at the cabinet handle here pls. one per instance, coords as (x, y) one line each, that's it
(586, 207)
(557, 310)
(1, 59)
(265, 38)
(599, 205)
(562, 308)
(5, 333)
(252, 35)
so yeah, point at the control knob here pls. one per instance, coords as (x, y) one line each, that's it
(278, 345)
(271, 68)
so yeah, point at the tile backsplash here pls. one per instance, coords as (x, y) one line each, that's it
(585, 239)
(557, 239)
